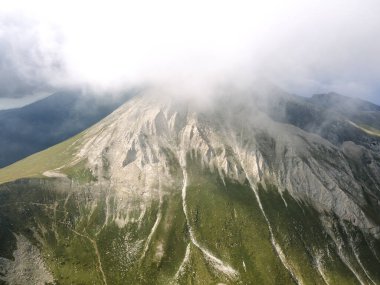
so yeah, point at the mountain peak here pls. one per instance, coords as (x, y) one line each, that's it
(168, 190)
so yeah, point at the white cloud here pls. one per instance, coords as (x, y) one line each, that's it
(304, 46)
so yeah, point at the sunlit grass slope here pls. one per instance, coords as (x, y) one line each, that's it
(36, 164)
(367, 129)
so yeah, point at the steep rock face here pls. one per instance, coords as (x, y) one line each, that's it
(133, 146)
(169, 191)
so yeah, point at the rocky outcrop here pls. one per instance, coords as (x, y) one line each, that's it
(28, 266)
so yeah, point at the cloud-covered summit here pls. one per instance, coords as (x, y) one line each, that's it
(304, 47)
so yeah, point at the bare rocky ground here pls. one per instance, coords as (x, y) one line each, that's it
(28, 266)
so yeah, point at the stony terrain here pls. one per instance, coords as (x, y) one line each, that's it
(28, 267)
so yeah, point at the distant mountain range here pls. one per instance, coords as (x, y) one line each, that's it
(44, 123)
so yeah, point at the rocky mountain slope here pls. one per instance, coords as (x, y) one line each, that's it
(247, 190)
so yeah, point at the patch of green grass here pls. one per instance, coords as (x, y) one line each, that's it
(298, 229)
(227, 220)
(33, 207)
(74, 261)
(80, 173)
(369, 130)
(199, 270)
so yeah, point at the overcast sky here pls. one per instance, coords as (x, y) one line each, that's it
(305, 47)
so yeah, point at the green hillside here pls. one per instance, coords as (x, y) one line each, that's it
(36, 164)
